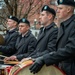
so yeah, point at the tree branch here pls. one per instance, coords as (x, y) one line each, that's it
(10, 9)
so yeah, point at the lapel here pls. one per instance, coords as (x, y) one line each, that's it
(41, 35)
(22, 41)
(43, 31)
(6, 37)
(63, 26)
(18, 40)
(60, 32)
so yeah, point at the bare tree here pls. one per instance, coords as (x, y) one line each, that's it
(20, 8)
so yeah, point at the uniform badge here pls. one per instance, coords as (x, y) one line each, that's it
(60, 1)
(10, 17)
(55, 26)
(23, 20)
(45, 7)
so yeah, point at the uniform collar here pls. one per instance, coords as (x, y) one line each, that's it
(11, 31)
(26, 34)
(49, 26)
(65, 23)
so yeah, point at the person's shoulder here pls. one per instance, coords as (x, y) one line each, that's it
(15, 33)
(74, 23)
(74, 20)
(30, 34)
(55, 27)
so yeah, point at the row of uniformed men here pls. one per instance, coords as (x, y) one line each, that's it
(50, 48)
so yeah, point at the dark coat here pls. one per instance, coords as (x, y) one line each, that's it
(26, 45)
(46, 41)
(10, 39)
(65, 47)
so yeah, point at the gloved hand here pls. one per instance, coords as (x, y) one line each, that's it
(38, 64)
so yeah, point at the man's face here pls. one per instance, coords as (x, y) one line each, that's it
(62, 11)
(43, 18)
(11, 23)
(23, 28)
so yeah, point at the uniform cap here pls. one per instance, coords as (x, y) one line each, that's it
(66, 2)
(13, 18)
(47, 8)
(24, 20)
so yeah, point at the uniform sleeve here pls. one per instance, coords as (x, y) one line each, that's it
(10, 47)
(62, 53)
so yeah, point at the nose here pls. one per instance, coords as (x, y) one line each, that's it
(39, 17)
(57, 10)
(19, 28)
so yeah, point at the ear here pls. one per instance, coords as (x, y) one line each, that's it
(50, 16)
(27, 27)
(15, 23)
(68, 9)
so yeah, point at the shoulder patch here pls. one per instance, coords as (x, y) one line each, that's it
(55, 26)
(16, 31)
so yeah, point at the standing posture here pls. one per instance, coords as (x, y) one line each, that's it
(25, 43)
(65, 53)
(10, 38)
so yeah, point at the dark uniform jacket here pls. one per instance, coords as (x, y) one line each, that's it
(10, 39)
(46, 41)
(25, 45)
(65, 47)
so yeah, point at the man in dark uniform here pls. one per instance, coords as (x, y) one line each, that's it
(10, 38)
(26, 41)
(65, 53)
(46, 40)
